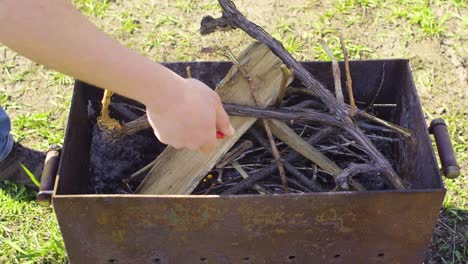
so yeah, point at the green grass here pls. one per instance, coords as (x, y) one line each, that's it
(129, 24)
(14, 75)
(6, 102)
(28, 233)
(41, 126)
(421, 13)
(95, 8)
(31, 175)
(58, 79)
(167, 31)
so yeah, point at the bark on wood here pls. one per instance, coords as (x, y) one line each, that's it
(179, 171)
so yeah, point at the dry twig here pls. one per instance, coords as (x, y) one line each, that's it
(349, 81)
(336, 73)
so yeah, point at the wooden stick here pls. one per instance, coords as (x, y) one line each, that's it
(288, 136)
(353, 169)
(276, 154)
(336, 73)
(300, 176)
(287, 74)
(134, 126)
(349, 81)
(105, 122)
(300, 186)
(403, 131)
(140, 172)
(313, 186)
(234, 153)
(297, 90)
(283, 114)
(245, 175)
(189, 72)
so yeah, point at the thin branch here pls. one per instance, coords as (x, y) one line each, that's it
(245, 175)
(286, 75)
(105, 122)
(353, 169)
(234, 153)
(403, 131)
(336, 73)
(288, 136)
(276, 155)
(288, 166)
(300, 176)
(349, 82)
(281, 114)
(379, 89)
(296, 90)
(189, 72)
(140, 172)
(133, 127)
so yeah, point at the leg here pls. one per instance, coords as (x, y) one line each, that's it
(13, 154)
(6, 140)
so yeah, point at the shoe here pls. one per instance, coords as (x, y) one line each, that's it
(11, 170)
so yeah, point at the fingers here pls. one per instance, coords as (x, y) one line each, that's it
(178, 127)
(209, 148)
(223, 124)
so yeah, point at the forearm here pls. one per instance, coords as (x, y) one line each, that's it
(54, 33)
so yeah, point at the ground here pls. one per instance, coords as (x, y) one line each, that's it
(432, 34)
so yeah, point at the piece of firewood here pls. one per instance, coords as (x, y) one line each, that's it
(293, 140)
(180, 171)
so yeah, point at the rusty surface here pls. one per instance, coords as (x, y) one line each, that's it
(371, 227)
(361, 227)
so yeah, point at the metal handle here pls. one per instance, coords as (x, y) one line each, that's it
(44, 196)
(450, 167)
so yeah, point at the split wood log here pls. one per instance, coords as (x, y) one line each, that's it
(180, 171)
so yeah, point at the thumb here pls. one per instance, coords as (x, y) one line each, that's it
(223, 124)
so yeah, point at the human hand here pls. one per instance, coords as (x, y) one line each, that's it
(190, 118)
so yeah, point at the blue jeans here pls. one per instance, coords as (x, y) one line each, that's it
(6, 139)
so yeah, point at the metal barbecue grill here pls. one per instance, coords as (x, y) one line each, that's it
(335, 227)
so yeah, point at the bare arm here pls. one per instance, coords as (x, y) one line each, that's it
(54, 33)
